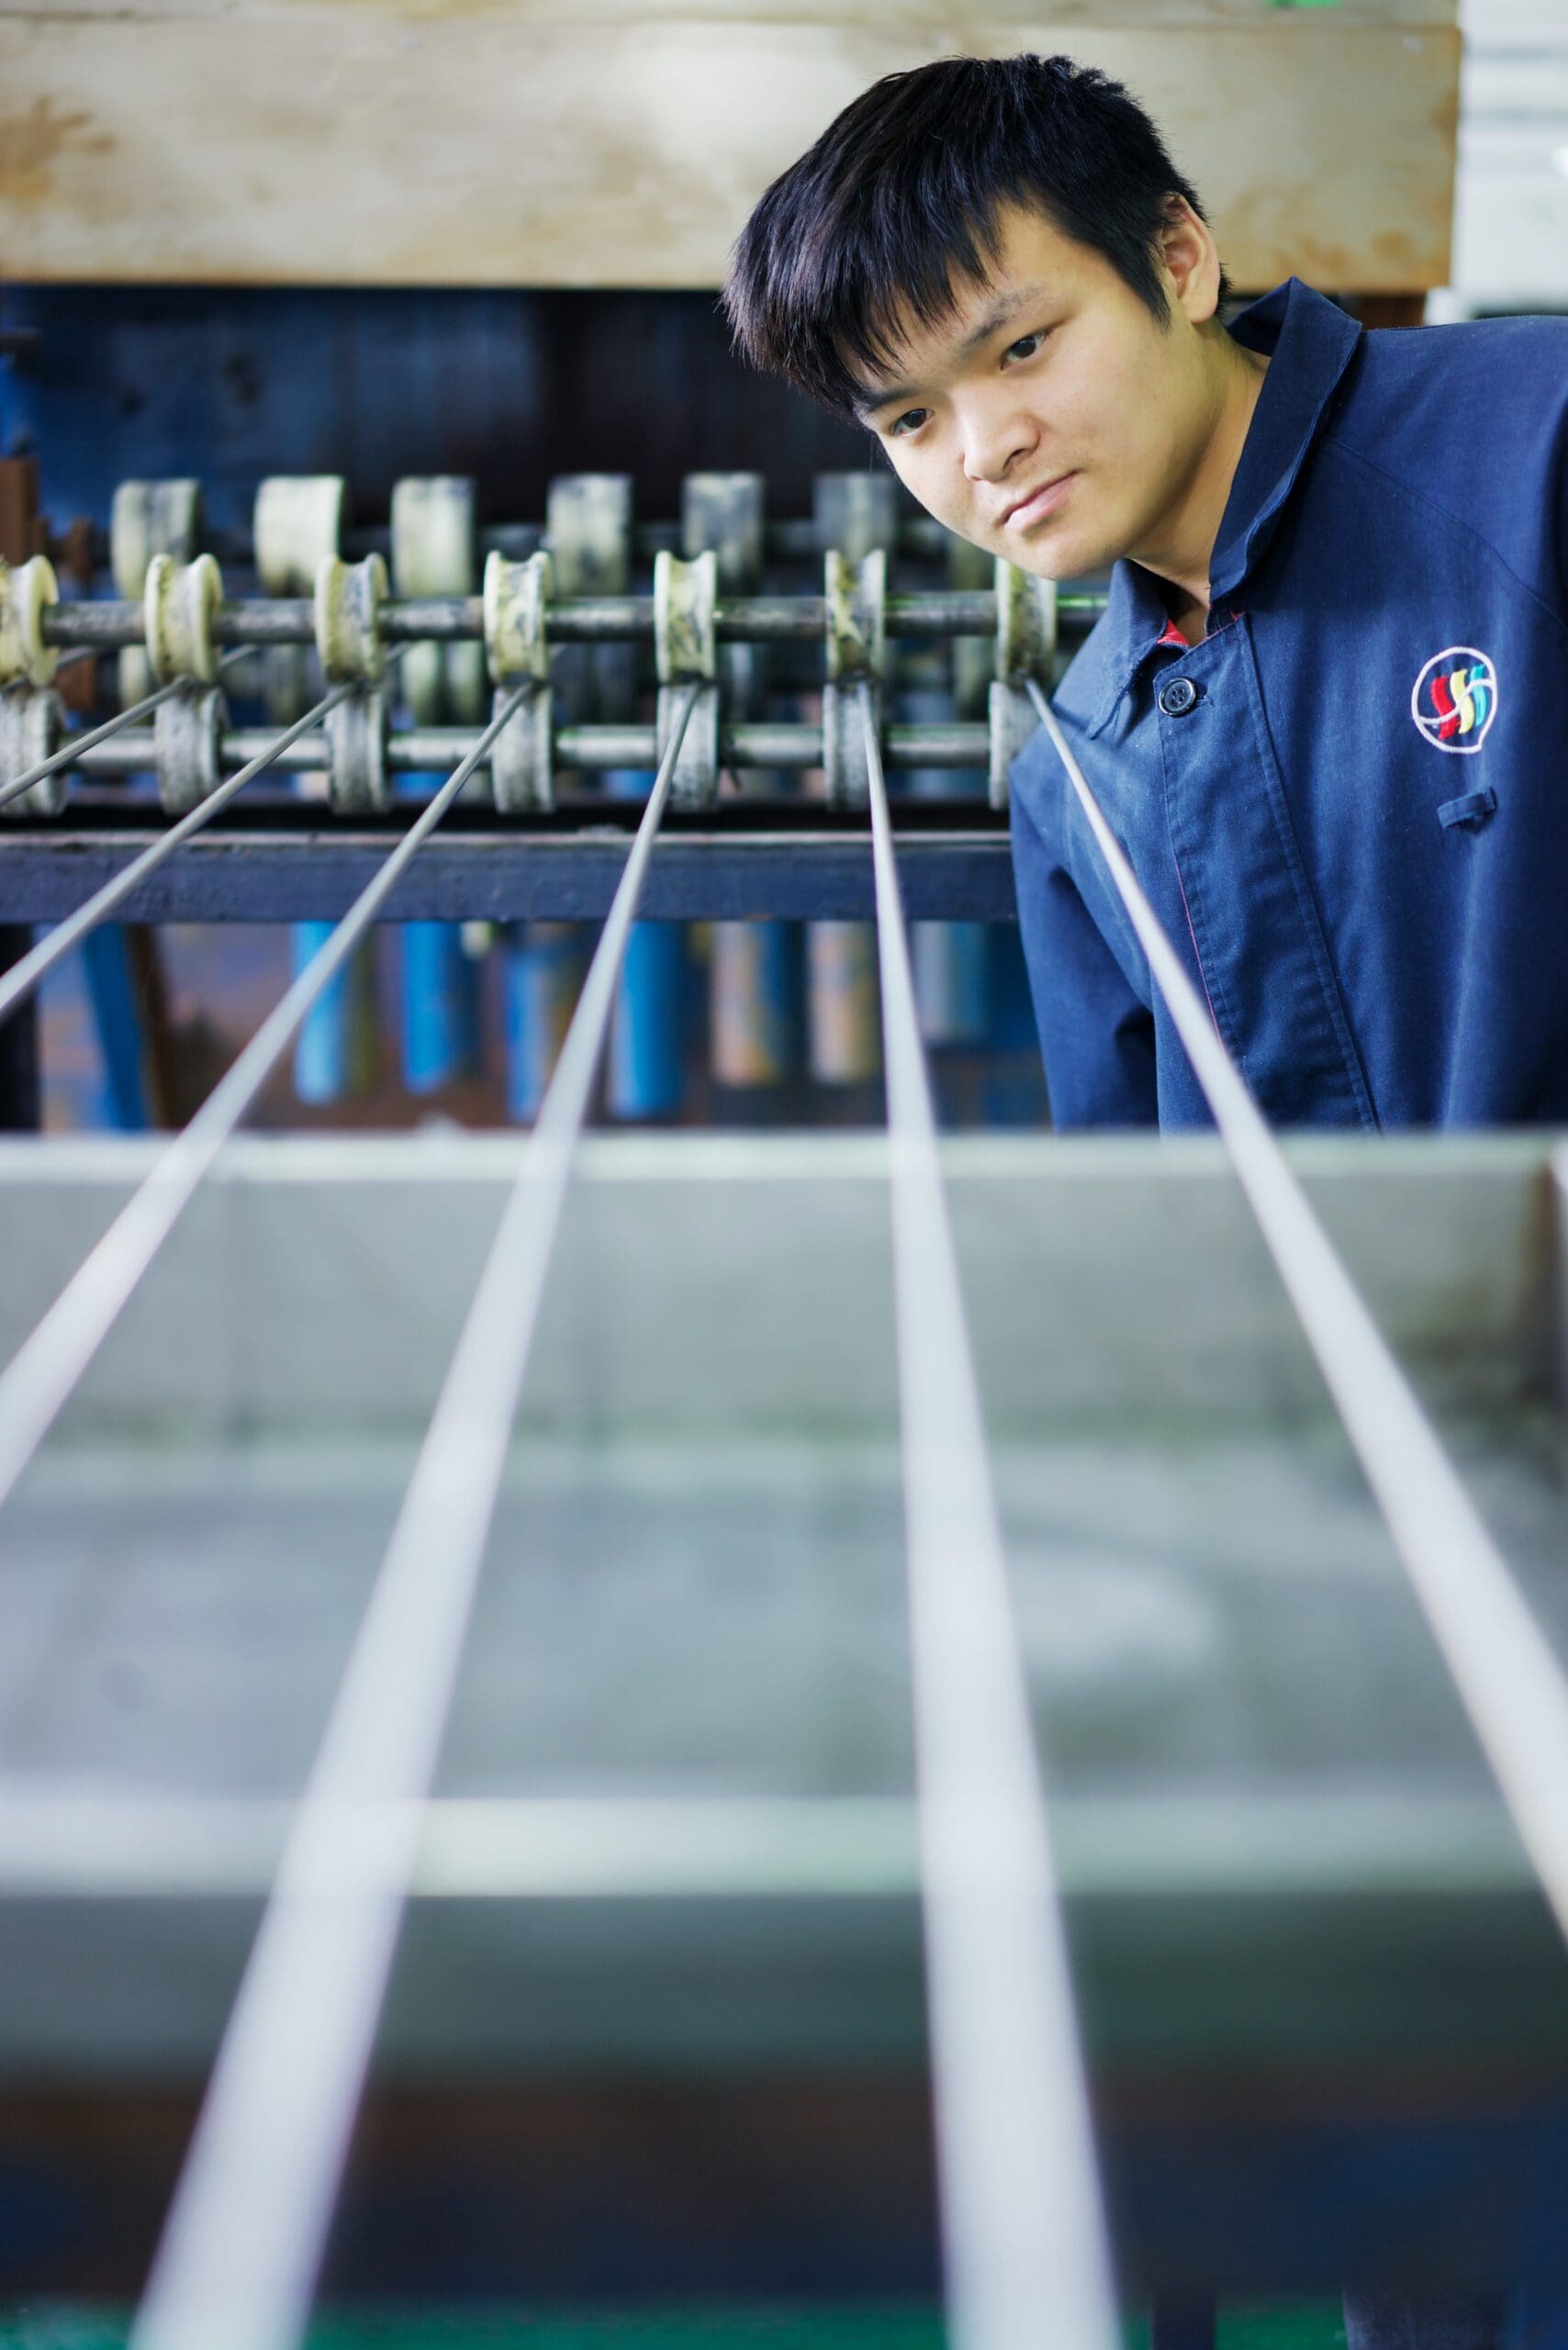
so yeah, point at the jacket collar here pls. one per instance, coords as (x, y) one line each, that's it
(1310, 343)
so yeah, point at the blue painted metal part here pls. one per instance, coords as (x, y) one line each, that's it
(232, 874)
(647, 1072)
(952, 981)
(440, 992)
(645, 1077)
(336, 1052)
(107, 965)
(755, 1002)
(541, 966)
(952, 959)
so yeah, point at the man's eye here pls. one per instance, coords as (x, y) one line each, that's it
(910, 421)
(1026, 345)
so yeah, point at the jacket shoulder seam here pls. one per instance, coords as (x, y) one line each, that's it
(1457, 521)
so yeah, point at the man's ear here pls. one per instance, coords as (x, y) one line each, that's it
(1190, 259)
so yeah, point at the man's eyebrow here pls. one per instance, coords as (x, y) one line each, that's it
(871, 399)
(1006, 306)
(870, 402)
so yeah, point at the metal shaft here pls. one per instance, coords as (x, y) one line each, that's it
(600, 620)
(1023, 2229)
(416, 750)
(243, 2242)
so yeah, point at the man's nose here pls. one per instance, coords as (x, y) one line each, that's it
(996, 434)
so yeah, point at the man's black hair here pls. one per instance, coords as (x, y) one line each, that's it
(900, 199)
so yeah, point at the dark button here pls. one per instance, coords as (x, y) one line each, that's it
(1177, 696)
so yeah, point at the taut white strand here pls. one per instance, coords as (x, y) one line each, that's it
(1023, 2229)
(12, 788)
(41, 1374)
(1510, 1680)
(23, 977)
(239, 2255)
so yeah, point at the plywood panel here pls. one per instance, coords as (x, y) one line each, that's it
(909, 14)
(350, 145)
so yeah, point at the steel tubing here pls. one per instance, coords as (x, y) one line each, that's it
(40, 1376)
(1027, 2248)
(238, 2262)
(1502, 1664)
(600, 620)
(415, 751)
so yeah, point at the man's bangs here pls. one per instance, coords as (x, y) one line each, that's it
(904, 276)
(880, 229)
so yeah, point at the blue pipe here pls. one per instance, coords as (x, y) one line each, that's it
(540, 974)
(108, 967)
(336, 1052)
(440, 993)
(647, 1036)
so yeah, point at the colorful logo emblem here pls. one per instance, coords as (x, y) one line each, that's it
(1455, 699)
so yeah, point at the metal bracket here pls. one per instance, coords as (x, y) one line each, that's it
(857, 645)
(188, 737)
(349, 596)
(178, 603)
(1025, 648)
(31, 726)
(356, 732)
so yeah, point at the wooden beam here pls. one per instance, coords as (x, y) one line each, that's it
(358, 145)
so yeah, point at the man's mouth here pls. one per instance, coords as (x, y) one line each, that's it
(1026, 511)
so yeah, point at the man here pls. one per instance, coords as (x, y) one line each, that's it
(1322, 707)
(1321, 711)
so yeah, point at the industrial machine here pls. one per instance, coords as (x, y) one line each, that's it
(820, 1728)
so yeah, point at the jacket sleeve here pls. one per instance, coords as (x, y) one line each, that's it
(1096, 1033)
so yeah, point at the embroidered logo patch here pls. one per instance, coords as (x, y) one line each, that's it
(1455, 699)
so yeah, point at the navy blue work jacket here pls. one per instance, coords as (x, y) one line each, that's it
(1350, 803)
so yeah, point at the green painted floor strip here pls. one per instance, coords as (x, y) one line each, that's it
(41, 2327)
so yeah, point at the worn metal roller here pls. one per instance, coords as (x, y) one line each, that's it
(31, 724)
(26, 591)
(517, 653)
(188, 732)
(180, 602)
(433, 543)
(588, 535)
(299, 520)
(147, 519)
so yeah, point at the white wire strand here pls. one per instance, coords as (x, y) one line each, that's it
(71, 750)
(245, 2238)
(1023, 2229)
(39, 1379)
(1510, 1680)
(23, 977)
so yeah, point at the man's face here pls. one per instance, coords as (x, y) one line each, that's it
(1053, 420)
